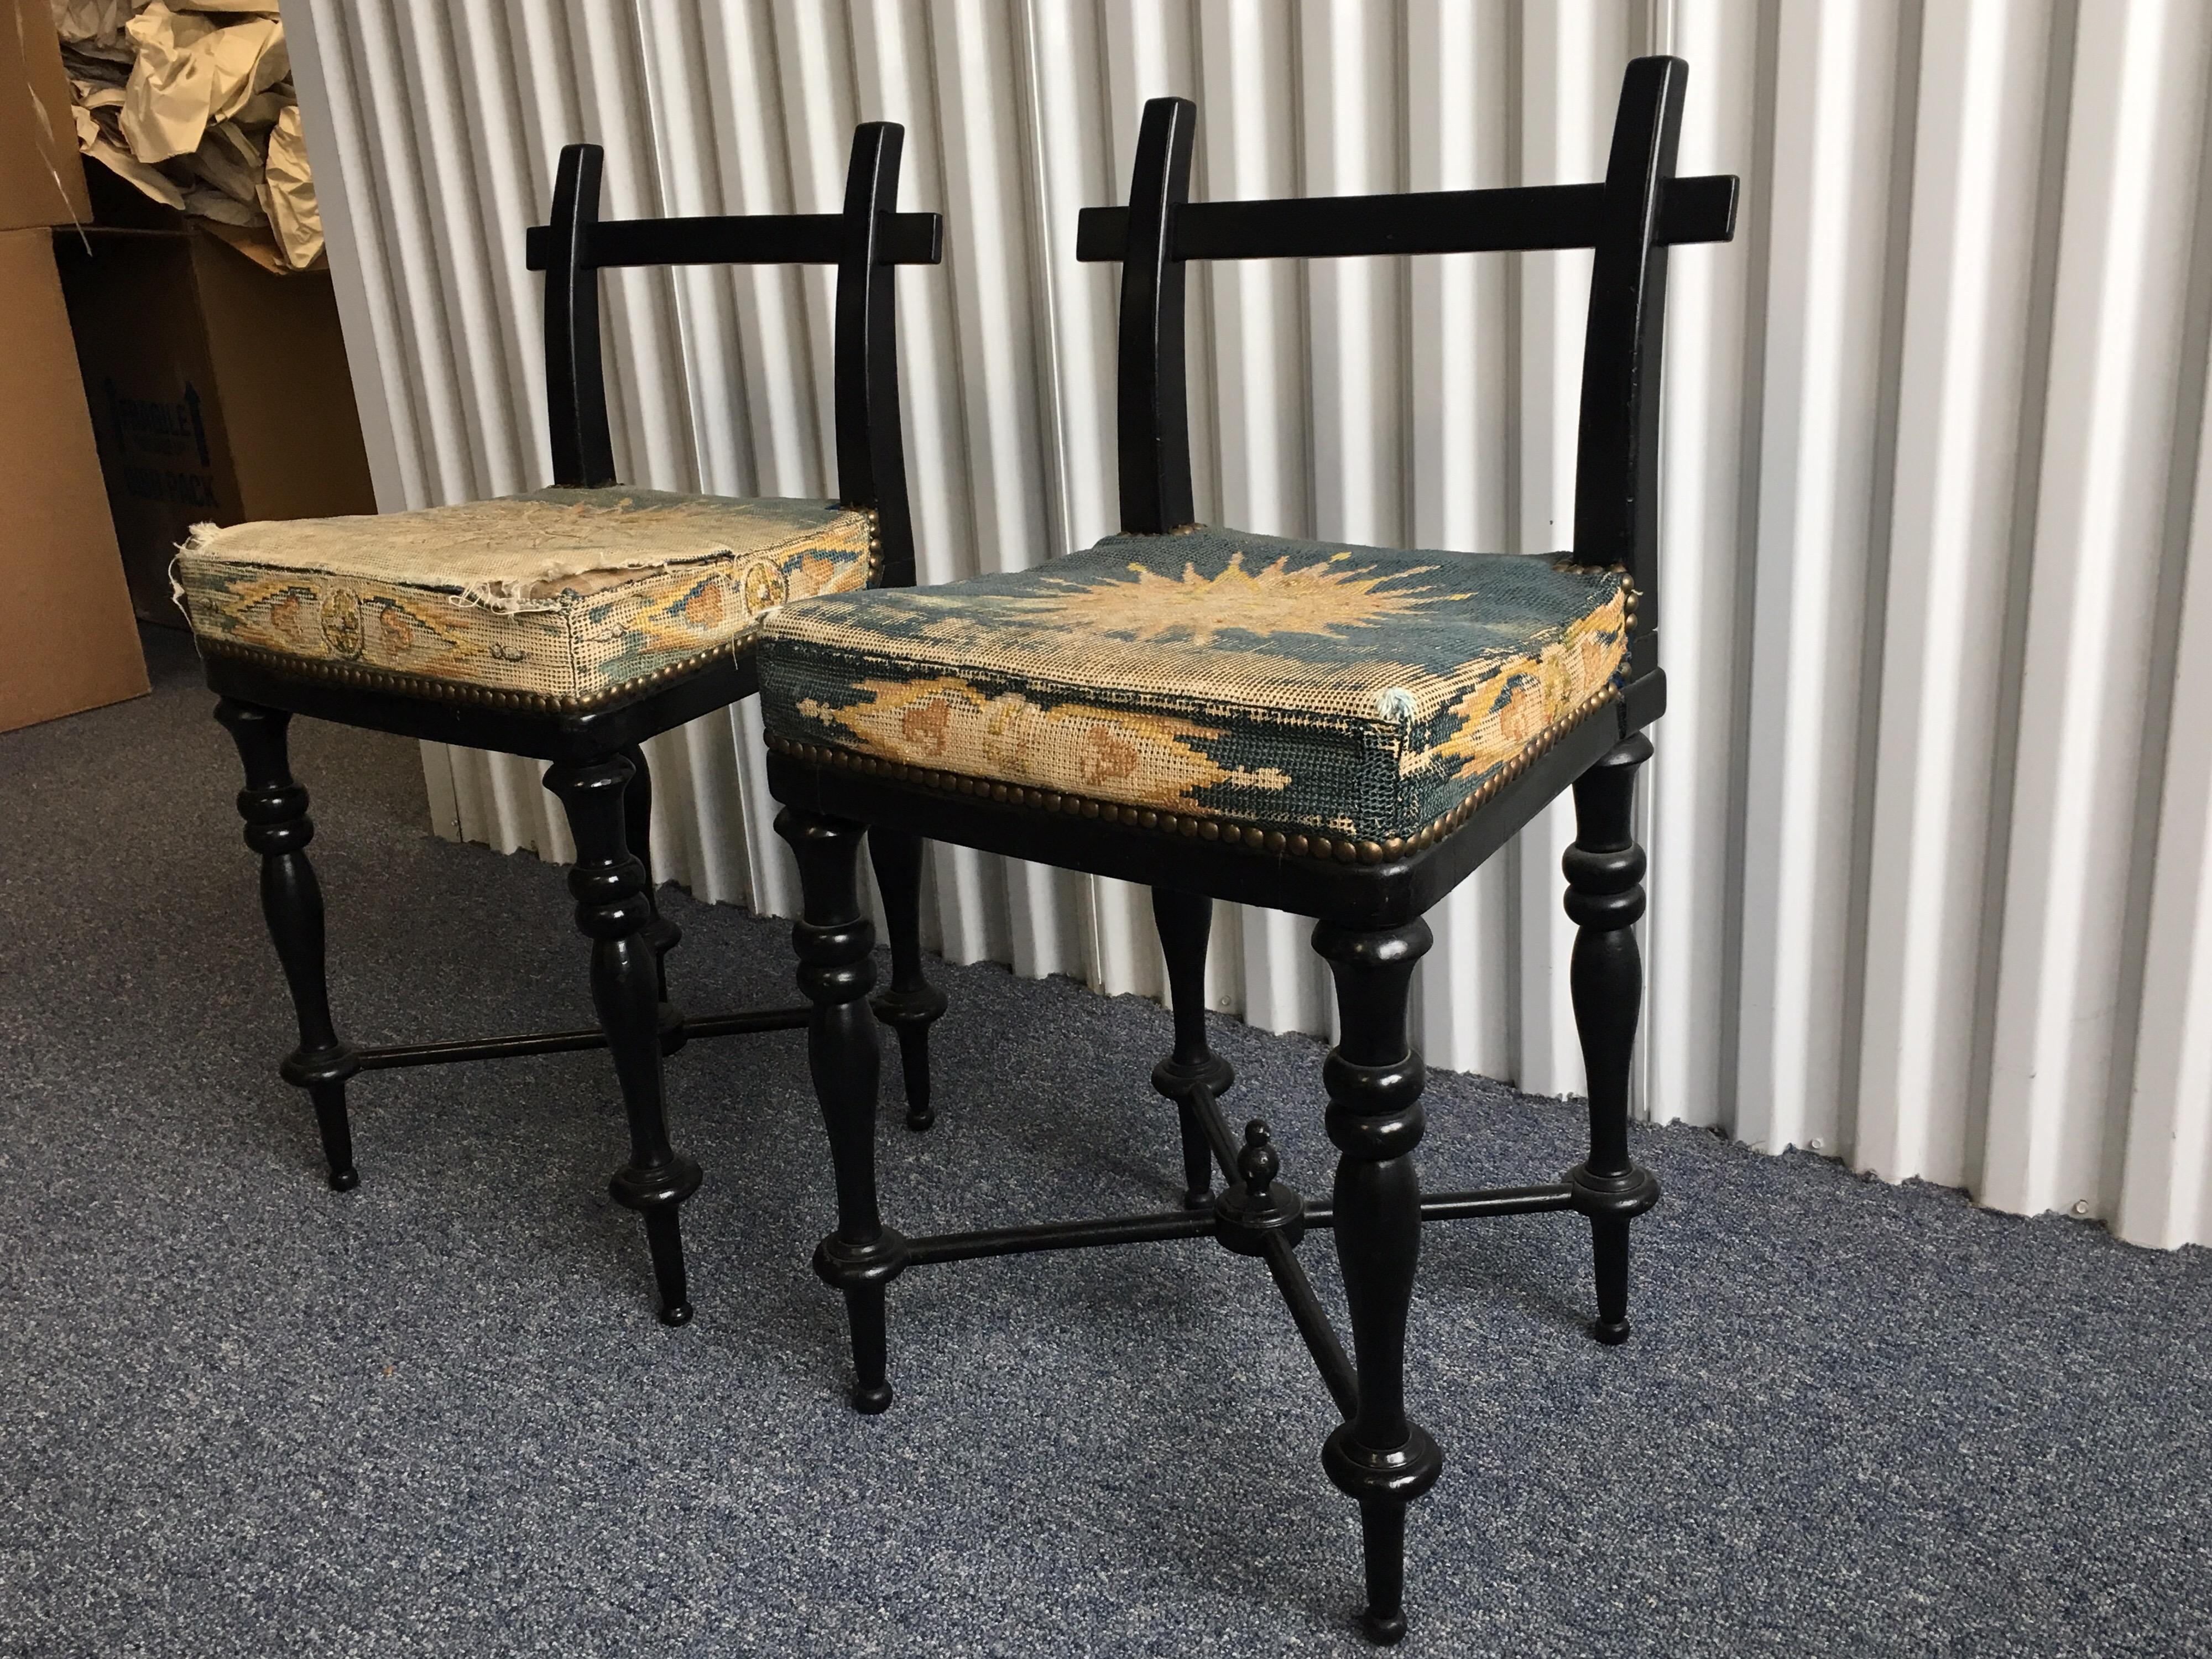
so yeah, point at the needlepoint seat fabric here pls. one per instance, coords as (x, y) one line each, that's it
(1221, 676)
(558, 598)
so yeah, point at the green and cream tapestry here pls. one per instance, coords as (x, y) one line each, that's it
(1213, 673)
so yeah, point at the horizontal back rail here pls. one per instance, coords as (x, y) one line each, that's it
(749, 238)
(1527, 218)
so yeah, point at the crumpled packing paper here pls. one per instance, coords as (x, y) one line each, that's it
(191, 71)
(289, 198)
(192, 100)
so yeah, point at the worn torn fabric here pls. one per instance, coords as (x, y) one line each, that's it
(567, 594)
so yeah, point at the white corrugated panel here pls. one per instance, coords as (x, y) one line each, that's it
(1930, 825)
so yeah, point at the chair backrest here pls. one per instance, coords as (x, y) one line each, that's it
(1630, 220)
(866, 242)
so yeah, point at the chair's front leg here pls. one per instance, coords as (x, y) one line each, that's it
(912, 1005)
(1604, 896)
(614, 911)
(1374, 1079)
(835, 941)
(1185, 921)
(277, 827)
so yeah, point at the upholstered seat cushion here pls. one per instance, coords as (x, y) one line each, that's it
(564, 598)
(1227, 678)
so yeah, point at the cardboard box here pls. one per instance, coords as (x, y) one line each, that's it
(41, 178)
(67, 640)
(219, 393)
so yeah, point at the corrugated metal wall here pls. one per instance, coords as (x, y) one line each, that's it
(1931, 819)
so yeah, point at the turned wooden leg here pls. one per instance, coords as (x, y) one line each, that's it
(835, 939)
(1185, 923)
(661, 933)
(614, 911)
(278, 828)
(912, 1005)
(1374, 1079)
(1604, 896)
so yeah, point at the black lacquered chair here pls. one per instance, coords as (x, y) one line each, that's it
(568, 625)
(1342, 732)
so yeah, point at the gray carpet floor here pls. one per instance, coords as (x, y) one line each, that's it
(240, 1415)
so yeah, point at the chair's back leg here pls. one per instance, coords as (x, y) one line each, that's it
(609, 883)
(912, 1005)
(1604, 896)
(834, 943)
(662, 934)
(1186, 922)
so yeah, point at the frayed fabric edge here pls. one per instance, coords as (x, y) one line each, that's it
(507, 596)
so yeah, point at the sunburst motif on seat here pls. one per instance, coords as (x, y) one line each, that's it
(1319, 599)
(1212, 673)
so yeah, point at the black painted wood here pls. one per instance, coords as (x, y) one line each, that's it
(277, 827)
(1525, 218)
(744, 1022)
(833, 939)
(871, 452)
(1153, 421)
(1605, 899)
(662, 933)
(1185, 921)
(1316, 1214)
(912, 1005)
(608, 882)
(1380, 1458)
(741, 238)
(1617, 455)
(1338, 1373)
(1056, 1236)
(575, 385)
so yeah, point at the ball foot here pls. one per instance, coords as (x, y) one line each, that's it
(1611, 1332)
(676, 1313)
(871, 1403)
(1385, 1632)
(921, 1120)
(345, 1180)
(1198, 1198)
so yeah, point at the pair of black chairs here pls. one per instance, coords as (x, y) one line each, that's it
(1342, 732)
